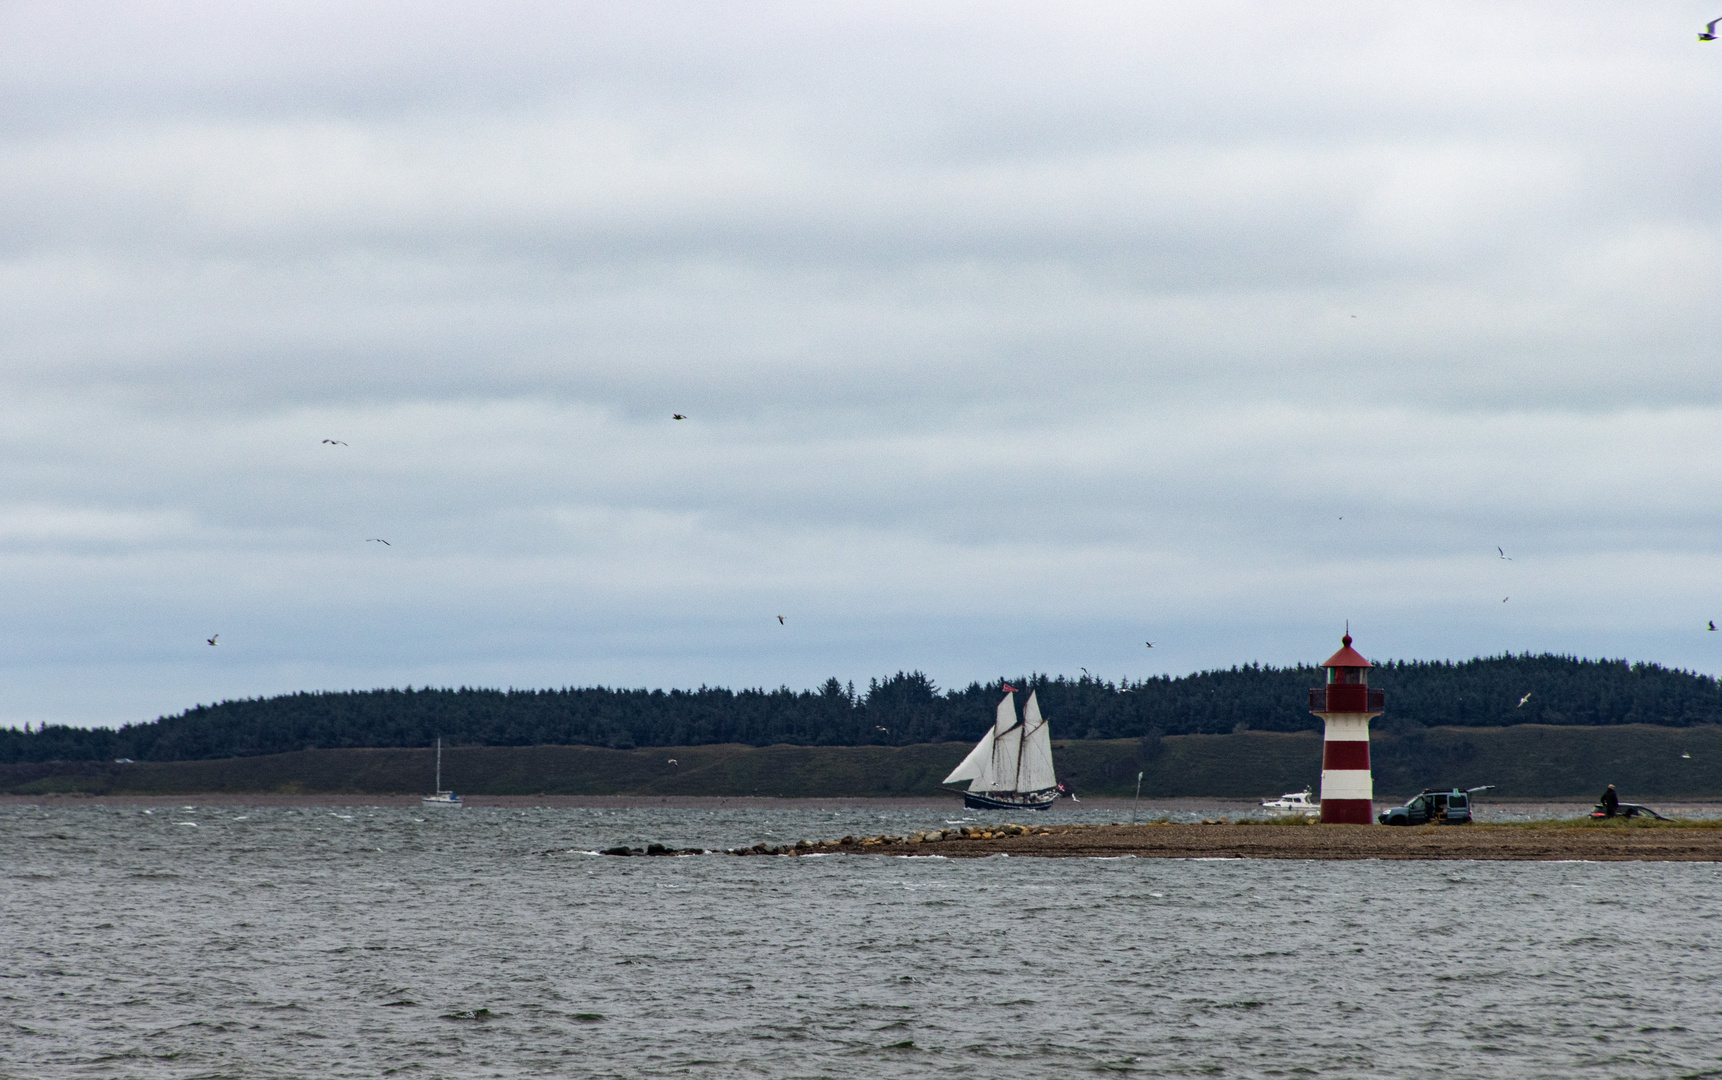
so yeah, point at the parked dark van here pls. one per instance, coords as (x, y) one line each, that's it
(1439, 806)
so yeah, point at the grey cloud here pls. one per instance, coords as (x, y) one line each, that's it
(1002, 335)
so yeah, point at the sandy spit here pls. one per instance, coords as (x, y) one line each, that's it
(1334, 842)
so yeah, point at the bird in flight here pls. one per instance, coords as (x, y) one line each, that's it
(1150, 644)
(1712, 624)
(780, 620)
(677, 416)
(377, 540)
(1504, 555)
(674, 762)
(334, 442)
(1522, 701)
(886, 730)
(211, 638)
(1504, 599)
(1709, 33)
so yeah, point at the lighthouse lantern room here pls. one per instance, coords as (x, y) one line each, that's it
(1346, 705)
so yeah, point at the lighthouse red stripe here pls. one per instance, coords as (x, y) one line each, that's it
(1349, 754)
(1346, 812)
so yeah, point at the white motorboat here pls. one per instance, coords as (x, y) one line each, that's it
(1294, 802)
(441, 798)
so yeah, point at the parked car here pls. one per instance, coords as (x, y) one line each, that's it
(1440, 806)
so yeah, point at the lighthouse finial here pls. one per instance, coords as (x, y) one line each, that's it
(1346, 640)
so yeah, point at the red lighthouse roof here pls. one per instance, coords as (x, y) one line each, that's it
(1346, 656)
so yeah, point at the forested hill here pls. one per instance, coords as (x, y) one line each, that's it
(903, 709)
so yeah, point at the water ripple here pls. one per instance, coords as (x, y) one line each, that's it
(481, 943)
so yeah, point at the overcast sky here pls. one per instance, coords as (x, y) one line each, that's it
(1009, 336)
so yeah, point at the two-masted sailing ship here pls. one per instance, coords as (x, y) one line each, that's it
(1011, 767)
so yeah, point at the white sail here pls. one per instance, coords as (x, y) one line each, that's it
(1034, 768)
(975, 764)
(1000, 771)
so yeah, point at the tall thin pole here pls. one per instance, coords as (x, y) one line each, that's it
(439, 765)
(1138, 801)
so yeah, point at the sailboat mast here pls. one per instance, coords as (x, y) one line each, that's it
(439, 763)
(1021, 745)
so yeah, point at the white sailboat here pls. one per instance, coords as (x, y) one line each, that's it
(441, 798)
(1011, 767)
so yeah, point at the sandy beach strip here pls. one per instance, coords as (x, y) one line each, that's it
(1326, 842)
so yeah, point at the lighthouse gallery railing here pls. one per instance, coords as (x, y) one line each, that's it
(1340, 697)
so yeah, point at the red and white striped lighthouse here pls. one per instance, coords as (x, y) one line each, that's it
(1347, 705)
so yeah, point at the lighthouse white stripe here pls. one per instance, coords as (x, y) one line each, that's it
(1347, 784)
(1347, 727)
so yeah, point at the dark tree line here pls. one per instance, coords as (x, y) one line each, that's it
(905, 708)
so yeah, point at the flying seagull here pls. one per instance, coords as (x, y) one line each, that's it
(211, 638)
(1709, 33)
(1685, 755)
(1504, 599)
(334, 442)
(1150, 644)
(1522, 701)
(1504, 555)
(674, 762)
(677, 416)
(377, 540)
(780, 620)
(886, 730)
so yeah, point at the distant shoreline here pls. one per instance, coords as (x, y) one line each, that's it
(687, 802)
(1534, 763)
(691, 802)
(1148, 808)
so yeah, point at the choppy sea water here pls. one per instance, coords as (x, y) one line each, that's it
(363, 942)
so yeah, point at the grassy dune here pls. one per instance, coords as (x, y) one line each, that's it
(1527, 761)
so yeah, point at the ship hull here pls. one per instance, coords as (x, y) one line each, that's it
(1010, 800)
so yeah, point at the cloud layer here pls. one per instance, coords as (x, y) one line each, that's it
(1009, 338)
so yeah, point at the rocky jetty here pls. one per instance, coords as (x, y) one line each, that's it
(1654, 842)
(1679, 841)
(651, 849)
(909, 844)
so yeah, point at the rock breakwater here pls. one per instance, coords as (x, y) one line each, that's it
(909, 843)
